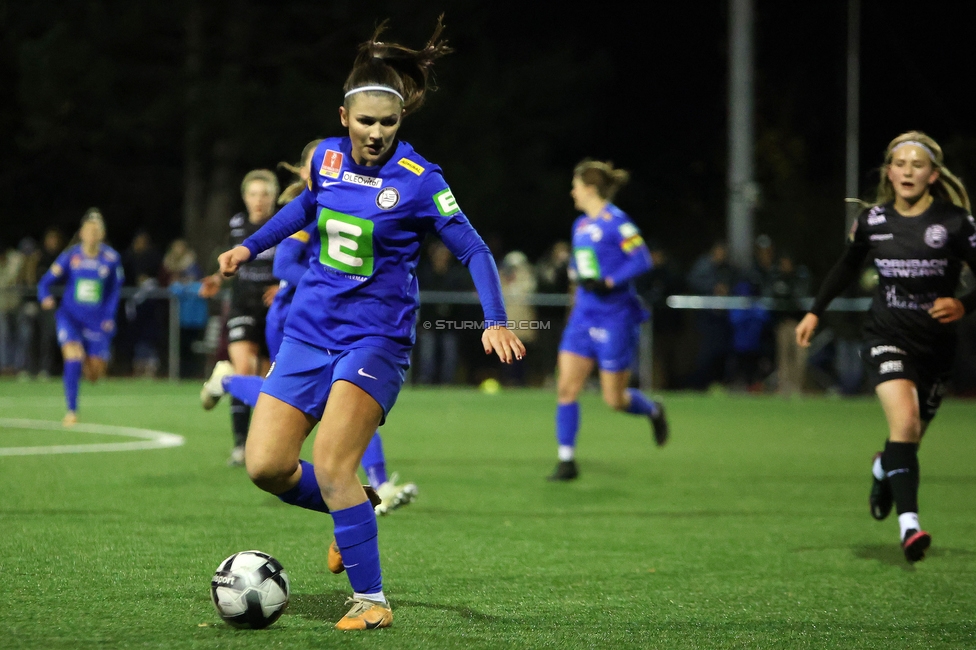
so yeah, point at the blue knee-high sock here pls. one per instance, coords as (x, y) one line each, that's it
(356, 537)
(244, 387)
(374, 462)
(72, 377)
(567, 423)
(306, 493)
(640, 404)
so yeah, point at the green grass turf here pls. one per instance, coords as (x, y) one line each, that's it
(750, 529)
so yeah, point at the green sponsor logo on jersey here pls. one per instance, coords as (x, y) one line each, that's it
(347, 242)
(446, 203)
(587, 266)
(88, 292)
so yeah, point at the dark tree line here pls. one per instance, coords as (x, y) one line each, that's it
(154, 111)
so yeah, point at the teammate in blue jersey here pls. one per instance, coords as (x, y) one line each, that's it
(91, 273)
(603, 328)
(292, 258)
(350, 329)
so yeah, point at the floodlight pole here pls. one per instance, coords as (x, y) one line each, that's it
(853, 106)
(742, 188)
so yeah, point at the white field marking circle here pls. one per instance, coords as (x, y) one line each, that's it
(150, 439)
(94, 400)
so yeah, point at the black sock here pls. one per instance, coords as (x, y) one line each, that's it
(240, 418)
(900, 462)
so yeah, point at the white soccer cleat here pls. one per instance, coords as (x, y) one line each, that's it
(392, 496)
(236, 457)
(213, 388)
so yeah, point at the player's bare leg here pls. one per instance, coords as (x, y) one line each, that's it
(617, 396)
(350, 419)
(278, 431)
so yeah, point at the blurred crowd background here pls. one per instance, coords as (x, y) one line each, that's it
(154, 111)
(743, 350)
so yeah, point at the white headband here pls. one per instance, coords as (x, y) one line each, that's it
(917, 144)
(385, 89)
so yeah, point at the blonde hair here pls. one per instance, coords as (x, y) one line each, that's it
(297, 186)
(265, 175)
(947, 186)
(602, 176)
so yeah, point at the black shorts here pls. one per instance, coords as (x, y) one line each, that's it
(884, 362)
(247, 325)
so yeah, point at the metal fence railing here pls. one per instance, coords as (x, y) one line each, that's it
(428, 298)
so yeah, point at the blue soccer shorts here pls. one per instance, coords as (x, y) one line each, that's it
(611, 340)
(302, 375)
(95, 341)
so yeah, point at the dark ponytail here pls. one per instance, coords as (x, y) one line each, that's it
(392, 65)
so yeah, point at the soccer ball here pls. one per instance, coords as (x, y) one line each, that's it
(250, 589)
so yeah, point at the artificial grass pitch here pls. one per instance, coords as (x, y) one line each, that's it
(749, 529)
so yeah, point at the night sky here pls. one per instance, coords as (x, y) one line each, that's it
(95, 110)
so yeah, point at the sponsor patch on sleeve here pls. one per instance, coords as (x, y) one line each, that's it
(301, 236)
(630, 237)
(331, 164)
(446, 203)
(411, 165)
(631, 243)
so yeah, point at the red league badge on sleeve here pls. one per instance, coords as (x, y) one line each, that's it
(331, 164)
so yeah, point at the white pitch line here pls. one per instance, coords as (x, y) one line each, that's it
(97, 400)
(151, 439)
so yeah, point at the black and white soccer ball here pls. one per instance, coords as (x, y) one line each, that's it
(250, 589)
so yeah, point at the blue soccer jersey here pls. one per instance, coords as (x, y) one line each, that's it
(609, 245)
(292, 258)
(369, 223)
(92, 285)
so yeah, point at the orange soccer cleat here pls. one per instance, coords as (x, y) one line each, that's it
(365, 615)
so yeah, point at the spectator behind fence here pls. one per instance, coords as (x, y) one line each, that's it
(43, 354)
(142, 264)
(518, 283)
(761, 275)
(29, 309)
(711, 275)
(552, 277)
(437, 347)
(789, 285)
(749, 325)
(834, 356)
(654, 287)
(182, 275)
(11, 261)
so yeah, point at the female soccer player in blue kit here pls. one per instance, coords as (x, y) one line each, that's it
(603, 328)
(292, 259)
(92, 274)
(351, 326)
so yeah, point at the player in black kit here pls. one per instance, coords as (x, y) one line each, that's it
(918, 233)
(252, 292)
